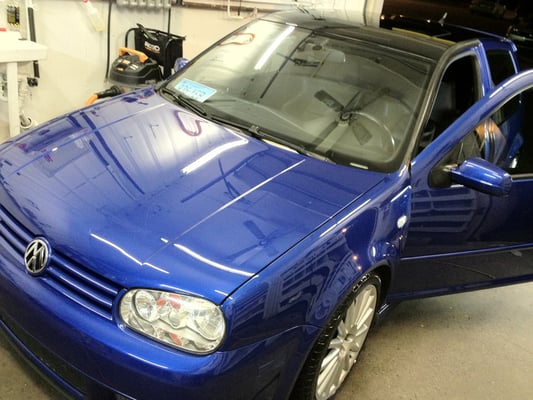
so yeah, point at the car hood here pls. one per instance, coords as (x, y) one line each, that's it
(147, 194)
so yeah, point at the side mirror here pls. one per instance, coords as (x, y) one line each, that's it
(479, 174)
(180, 63)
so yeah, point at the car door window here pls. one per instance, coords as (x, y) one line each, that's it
(506, 136)
(514, 149)
(458, 90)
(505, 139)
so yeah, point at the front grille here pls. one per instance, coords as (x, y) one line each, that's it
(14, 239)
(75, 282)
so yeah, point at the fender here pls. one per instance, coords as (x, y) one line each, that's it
(305, 293)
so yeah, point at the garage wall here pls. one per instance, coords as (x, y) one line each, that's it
(76, 63)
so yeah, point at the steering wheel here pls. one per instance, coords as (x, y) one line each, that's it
(385, 138)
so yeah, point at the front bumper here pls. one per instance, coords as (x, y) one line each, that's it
(92, 357)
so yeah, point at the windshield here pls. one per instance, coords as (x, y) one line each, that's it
(348, 101)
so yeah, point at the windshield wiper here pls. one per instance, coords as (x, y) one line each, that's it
(302, 62)
(187, 102)
(252, 130)
(261, 134)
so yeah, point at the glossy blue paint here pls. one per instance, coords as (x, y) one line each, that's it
(113, 355)
(138, 192)
(481, 175)
(149, 193)
(462, 239)
(125, 189)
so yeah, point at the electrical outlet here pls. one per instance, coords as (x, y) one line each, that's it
(13, 16)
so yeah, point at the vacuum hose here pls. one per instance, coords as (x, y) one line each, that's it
(112, 91)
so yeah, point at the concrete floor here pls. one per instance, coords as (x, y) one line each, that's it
(471, 346)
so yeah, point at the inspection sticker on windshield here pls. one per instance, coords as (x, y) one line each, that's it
(195, 90)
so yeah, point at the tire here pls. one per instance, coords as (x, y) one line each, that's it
(337, 349)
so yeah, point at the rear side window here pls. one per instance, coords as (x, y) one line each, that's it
(502, 67)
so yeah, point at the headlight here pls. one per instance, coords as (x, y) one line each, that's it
(188, 323)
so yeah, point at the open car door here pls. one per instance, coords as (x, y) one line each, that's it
(471, 222)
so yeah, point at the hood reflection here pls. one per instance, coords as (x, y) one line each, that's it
(129, 173)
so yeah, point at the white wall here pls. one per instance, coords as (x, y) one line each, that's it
(76, 63)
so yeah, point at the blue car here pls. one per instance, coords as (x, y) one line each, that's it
(234, 232)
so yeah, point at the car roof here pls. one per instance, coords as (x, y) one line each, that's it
(426, 38)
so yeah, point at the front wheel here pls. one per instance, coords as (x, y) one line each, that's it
(338, 346)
